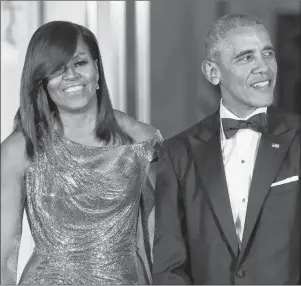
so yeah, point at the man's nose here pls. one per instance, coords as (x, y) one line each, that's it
(261, 65)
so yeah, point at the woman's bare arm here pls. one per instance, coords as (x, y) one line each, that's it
(13, 165)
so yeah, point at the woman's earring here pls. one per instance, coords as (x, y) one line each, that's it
(97, 86)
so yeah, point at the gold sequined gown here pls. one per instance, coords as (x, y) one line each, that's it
(82, 206)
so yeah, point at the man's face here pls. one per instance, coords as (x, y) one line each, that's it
(248, 68)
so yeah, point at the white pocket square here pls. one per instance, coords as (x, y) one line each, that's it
(285, 181)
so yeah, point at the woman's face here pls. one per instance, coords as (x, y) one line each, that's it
(73, 87)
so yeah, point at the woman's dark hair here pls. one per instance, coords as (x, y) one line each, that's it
(51, 47)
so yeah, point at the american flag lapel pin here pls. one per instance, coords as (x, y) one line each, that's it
(275, 145)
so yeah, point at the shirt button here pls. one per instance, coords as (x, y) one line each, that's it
(243, 200)
(242, 161)
(240, 273)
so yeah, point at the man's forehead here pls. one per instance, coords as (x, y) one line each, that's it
(249, 37)
(241, 35)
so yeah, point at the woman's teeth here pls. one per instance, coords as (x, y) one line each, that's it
(74, 88)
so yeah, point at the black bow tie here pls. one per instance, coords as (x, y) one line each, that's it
(257, 123)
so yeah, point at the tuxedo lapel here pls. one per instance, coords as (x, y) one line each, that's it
(207, 154)
(271, 153)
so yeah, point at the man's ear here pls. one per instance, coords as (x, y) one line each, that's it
(211, 72)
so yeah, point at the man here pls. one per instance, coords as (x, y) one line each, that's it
(228, 190)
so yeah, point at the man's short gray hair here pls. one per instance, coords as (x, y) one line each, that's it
(221, 27)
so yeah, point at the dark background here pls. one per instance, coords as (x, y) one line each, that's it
(180, 95)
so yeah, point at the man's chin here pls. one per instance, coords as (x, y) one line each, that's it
(264, 102)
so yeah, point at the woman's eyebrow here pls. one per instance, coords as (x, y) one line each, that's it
(79, 54)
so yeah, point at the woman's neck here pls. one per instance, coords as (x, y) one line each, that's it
(79, 125)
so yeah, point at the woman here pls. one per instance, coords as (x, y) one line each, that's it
(80, 173)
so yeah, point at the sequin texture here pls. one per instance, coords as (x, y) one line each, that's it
(82, 205)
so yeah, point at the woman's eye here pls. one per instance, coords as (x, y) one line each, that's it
(59, 71)
(60, 68)
(80, 63)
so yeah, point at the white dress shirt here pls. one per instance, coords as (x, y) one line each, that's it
(239, 154)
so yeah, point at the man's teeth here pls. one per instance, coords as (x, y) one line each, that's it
(261, 84)
(74, 88)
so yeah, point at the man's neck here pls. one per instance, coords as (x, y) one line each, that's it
(239, 111)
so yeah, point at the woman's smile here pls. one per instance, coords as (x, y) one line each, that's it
(74, 89)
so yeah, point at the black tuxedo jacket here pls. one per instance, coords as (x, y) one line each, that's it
(195, 240)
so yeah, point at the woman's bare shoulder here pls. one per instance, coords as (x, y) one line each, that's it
(138, 130)
(13, 152)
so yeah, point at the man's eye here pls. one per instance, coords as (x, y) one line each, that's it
(246, 58)
(269, 53)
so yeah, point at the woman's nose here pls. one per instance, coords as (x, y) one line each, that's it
(70, 73)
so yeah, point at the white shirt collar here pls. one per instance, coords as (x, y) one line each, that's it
(226, 113)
